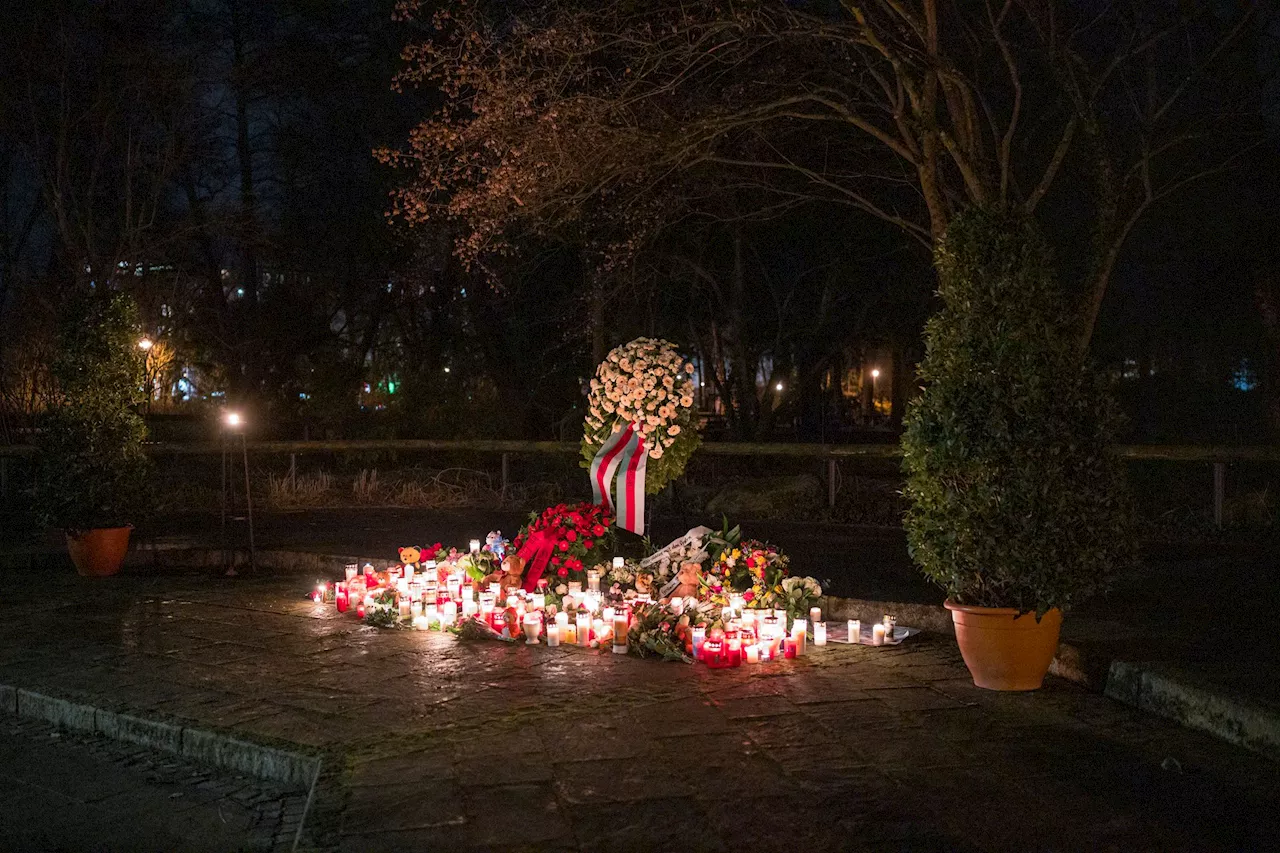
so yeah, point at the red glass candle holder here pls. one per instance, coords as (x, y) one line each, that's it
(715, 654)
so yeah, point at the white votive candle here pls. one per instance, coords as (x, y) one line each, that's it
(475, 546)
(584, 629)
(877, 634)
(553, 634)
(819, 633)
(855, 631)
(753, 653)
(815, 615)
(619, 563)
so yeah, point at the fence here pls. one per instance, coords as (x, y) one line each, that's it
(832, 455)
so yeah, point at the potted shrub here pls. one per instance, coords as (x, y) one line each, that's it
(93, 473)
(1015, 508)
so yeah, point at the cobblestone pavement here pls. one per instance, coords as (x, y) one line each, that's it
(75, 792)
(431, 743)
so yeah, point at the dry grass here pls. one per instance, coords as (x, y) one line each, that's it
(300, 492)
(365, 488)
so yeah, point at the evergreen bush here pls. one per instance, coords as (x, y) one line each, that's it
(1013, 499)
(93, 472)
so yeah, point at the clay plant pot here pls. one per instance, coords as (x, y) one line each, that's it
(1005, 651)
(98, 553)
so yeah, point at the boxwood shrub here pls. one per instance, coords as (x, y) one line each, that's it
(1013, 500)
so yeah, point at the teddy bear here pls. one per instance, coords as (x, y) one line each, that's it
(688, 577)
(411, 555)
(510, 576)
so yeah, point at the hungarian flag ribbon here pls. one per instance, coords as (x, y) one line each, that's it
(622, 459)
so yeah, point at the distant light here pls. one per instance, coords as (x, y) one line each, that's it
(778, 386)
(233, 419)
(702, 385)
(875, 373)
(145, 344)
(446, 370)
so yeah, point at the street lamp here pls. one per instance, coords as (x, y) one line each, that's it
(234, 423)
(145, 344)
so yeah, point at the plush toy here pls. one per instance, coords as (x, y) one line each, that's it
(511, 622)
(688, 578)
(411, 555)
(512, 576)
(644, 583)
(495, 543)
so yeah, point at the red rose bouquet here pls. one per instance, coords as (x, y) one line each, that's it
(560, 543)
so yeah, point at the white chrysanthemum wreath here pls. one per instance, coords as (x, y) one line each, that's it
(646, 383)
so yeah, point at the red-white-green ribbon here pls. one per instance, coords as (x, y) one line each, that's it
(623, 458)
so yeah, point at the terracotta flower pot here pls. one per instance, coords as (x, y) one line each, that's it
(1005, 651)
(98, 553)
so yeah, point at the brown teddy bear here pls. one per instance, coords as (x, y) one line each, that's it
(410, 555)
(688, 577)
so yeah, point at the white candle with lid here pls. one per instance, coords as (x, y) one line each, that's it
(819, 633)
(877, 634)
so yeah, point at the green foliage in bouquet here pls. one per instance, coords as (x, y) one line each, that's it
(93, 472)
(658, 630)
(646, 383)
(1013, 498)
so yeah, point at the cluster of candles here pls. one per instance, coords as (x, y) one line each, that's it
(757, 636)
(435, 596)
(429, 595)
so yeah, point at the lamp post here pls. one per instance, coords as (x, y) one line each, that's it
(145, 345)
(233, 424)
(875, 374)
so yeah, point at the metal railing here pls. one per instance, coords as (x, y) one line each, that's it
(1216, 455)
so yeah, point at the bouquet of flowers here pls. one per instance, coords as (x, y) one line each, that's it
(800, 594)
(664, 563)
(755, 569)
(663, 630)
(384, 609)
(487, 560)
(577, 533)
(646, 383)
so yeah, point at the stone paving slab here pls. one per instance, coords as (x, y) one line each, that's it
(434, 743)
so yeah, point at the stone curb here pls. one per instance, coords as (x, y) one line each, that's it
(1179, 696)
(296, 769)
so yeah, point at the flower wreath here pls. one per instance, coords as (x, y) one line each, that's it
(645, 383)
(577, 534)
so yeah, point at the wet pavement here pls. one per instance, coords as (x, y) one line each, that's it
(75, 792)
(432, 743)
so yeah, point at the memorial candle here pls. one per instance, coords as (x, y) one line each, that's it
(855, 631)
(553, 634)
(539, 600)
(593, 581)
(584, 628)
(877, 634)
(753, 653)
(475, 546)
(799, 631)
(607, 614)
(351, 572)
(408, 572)
(620, 625)
(619, 563)
(819, 633)
(532, 627)
(340, 598)
(815, 615)
(699, 637)
(734, 646)
(404, 606)
(562, 619)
